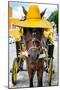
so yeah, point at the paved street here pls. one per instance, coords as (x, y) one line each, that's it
(22, 77)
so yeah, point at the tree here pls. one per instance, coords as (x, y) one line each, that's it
(54, 17)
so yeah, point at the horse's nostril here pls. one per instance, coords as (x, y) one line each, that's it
(37, 55)
(28, 55)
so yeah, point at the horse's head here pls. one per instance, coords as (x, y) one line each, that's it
(33, 43)
(34, 51)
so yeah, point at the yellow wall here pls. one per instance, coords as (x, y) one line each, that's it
(15, 32)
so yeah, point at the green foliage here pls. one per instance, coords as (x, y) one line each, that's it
(54, 17)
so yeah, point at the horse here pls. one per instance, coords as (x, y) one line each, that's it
(35, 56)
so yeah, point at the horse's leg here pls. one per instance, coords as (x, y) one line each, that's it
(39, 79)
(40, 75)
(31, 74)
(31, 82)
(31, 71)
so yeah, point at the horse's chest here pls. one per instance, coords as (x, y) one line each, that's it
(37, 66)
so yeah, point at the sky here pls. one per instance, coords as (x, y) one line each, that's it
(18, 13)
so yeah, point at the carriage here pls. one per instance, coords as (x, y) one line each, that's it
(32, 46)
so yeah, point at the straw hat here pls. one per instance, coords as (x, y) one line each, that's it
(34, 19)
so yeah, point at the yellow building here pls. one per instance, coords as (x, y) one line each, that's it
(14, 31)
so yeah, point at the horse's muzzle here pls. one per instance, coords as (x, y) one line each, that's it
(33, 59)
(33, 55)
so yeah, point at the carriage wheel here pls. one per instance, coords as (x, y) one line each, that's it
(50, 71)
(15, 70)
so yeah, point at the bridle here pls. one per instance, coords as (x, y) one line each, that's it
(34, 49)
(34, 54)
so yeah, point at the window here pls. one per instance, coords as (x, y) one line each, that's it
(13, 26)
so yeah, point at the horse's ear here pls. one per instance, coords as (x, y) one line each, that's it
(42, 13)
(24, 10)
